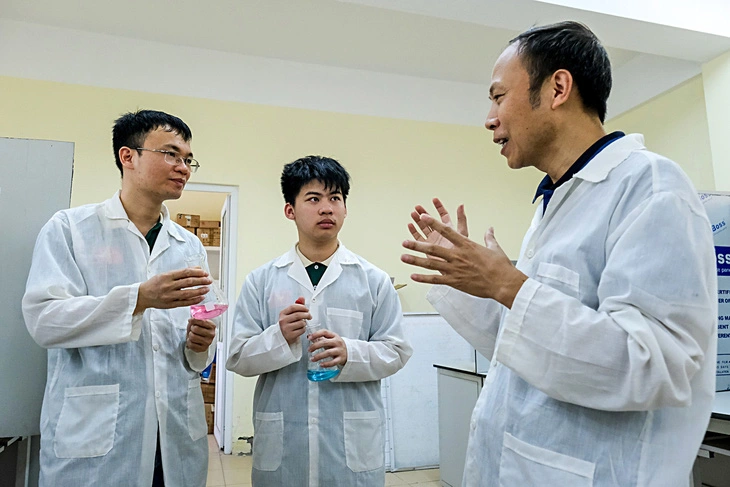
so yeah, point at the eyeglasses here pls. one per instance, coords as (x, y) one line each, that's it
(175, 159)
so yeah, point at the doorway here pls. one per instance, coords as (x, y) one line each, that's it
(211, 202)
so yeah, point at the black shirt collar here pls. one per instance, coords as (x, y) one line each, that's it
(547, 187)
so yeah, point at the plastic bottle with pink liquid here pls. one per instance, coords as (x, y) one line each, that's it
(215, 303)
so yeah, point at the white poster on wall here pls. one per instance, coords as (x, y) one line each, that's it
(717, 206)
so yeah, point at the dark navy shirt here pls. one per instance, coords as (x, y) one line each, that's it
(151, 236)
(546, 188)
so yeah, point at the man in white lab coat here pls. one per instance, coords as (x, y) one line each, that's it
(603, 337)
(108, 295)
(330, 432)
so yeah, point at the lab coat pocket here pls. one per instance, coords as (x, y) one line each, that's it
(268, 441)
(525, 464)
(197, 427)
(363, 440)
(559, 277)
(346, 323)
(88, 421)
(178, 316)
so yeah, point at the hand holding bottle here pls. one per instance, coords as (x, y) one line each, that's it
(214, 303)
(292, 320)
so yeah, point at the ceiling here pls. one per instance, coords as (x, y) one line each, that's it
(454, 40)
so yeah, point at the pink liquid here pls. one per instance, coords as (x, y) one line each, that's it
(200, 313)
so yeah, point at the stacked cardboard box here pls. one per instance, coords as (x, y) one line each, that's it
(204, 235)
(211, 228)
(188, 222)
(209, 418)
(208, 388)
(208, 231)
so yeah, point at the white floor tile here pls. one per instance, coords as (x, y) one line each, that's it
(215, 479)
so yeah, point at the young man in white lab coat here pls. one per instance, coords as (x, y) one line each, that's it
(330, 432)
(603, 338)
(108, 295)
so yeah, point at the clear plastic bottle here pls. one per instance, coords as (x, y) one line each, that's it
(215, 302)
(315, 371)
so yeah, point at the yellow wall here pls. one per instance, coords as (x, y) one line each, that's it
(716, 77)
(394, 165)
(675, 125)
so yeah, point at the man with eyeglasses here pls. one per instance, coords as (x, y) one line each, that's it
(108, 295)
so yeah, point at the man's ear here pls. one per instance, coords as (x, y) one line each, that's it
(126, 156)
(561, 86)
(289, 211)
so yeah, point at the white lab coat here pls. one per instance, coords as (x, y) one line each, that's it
(113, 378)
(603, 371)
(318, 433)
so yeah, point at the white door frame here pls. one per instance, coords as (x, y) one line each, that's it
(232, 242)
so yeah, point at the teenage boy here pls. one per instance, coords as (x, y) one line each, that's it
(330, 432)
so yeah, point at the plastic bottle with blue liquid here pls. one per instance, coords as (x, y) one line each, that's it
(315, 371)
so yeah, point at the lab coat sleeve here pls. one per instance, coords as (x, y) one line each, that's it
(386, 351)
(198, 361)
(57, 309)
(655, 320)
(475, 319)
(255, 348)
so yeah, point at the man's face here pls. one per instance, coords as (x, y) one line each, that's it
(152, 175)
(524, 132)
(318, 213)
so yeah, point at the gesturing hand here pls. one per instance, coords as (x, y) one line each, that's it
(173, 289)
(483, 271)
(428, 233)
(292, 320)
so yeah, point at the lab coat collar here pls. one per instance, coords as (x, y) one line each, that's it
(114, 210)
(342, 256)
(610, 157)
(172, 230)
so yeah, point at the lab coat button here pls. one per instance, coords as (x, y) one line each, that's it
(314, 421)
(155, 347)
(157, 394)
(530, 253)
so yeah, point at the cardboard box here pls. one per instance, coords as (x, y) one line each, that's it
(215, 232)
(208, 392)
(188, 220)
(204, 235)
(191, 229)
(211, 377)
(210, 223)
(209, 417)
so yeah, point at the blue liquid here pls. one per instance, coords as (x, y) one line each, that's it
(319, 375)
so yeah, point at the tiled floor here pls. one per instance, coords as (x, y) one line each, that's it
(235, 471)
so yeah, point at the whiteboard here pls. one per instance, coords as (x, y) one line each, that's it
(35, 182)
(412, 403)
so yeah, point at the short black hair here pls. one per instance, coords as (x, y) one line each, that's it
(572, 46)
(301, 172)
(131, 129)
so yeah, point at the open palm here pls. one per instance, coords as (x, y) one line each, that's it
(422, 232)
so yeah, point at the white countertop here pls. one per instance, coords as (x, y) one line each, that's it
(722, 404)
